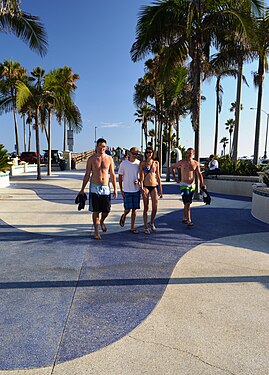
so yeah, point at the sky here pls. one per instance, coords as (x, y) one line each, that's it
(94, 39)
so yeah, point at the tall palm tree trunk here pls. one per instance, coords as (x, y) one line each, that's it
(145, 127)
(197, 83)
(160, 149)
(156, 132)
(217, 118)
(16, 132)
(259, 109)
(169, 153)
(177, 132)
(29, 138)
(237, 110)
(24, 133)
(49, 144)
(37, 145)
(142, 138)
(64, 142)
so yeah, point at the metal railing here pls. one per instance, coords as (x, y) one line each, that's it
(81, 156)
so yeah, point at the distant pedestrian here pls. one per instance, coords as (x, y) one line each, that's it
(130, 187)
(99, 165)
(189, 168)
(150, 182)
(212, 167)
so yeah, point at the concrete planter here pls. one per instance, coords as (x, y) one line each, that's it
(260, 203)
(4, 179)
(23, 168)
(232, 185)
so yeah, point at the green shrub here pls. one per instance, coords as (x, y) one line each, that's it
(229, 166)
(4, 159)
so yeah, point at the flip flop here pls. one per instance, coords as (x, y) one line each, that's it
(153, 228)
(103, 227)
(134, 231)
(122, 220)
(184, 221)
(97, 237)
(190, 224)
(147, 231)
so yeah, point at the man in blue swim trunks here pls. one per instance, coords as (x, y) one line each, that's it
(129, 187)
(188, 168)
(98, 167)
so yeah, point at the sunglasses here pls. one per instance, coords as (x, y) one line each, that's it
(148, 152)
(135, 153)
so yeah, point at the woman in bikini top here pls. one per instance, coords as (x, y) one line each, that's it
(150, 181)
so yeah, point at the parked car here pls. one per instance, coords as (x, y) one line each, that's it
(30, 157)
(263, 161)
(56, 156)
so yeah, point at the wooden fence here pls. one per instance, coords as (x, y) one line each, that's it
(77, 158)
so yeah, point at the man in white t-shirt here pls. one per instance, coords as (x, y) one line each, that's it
(213, 166)
(129, 187)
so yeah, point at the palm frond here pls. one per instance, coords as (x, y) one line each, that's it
(28, 28)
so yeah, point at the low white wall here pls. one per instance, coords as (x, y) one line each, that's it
(15, 170)
(260, 204)
(233, 185)
(4, 179)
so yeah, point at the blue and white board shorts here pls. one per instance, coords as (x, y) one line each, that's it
(99, 198)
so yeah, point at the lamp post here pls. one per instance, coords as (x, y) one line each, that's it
(266, 133)
(95, 134)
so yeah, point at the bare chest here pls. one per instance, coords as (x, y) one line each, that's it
(101, 163)
(188, 167)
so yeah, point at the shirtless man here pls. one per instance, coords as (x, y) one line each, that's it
(98, 166)
(189, 168)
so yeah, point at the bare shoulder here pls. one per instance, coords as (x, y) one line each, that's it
(110, 159)
(91, 159)
(178, 164)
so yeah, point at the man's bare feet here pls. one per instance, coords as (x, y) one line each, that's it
(97, 236)
(103, 227)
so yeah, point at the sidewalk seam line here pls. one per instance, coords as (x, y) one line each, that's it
(67, 318)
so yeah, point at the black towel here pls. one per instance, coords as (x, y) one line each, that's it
(80, 200)
(206, 196)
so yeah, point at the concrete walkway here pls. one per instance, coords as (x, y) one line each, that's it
(180, 301)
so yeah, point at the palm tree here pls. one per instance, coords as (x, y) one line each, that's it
(224, 142)
(144, 114)
(67, 80)
(230, 127)
(185, 29)
(32, 94)
(25, 26)
(218, 68)
(10, 73)
(152, 136)
(234, 108)
(261, 47)
(60, 104)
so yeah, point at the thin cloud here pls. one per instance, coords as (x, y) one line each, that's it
(111, 125)
(87, 121)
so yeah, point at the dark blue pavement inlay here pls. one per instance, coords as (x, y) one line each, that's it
(64, 297)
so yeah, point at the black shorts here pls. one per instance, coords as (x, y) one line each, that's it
(99, 203)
